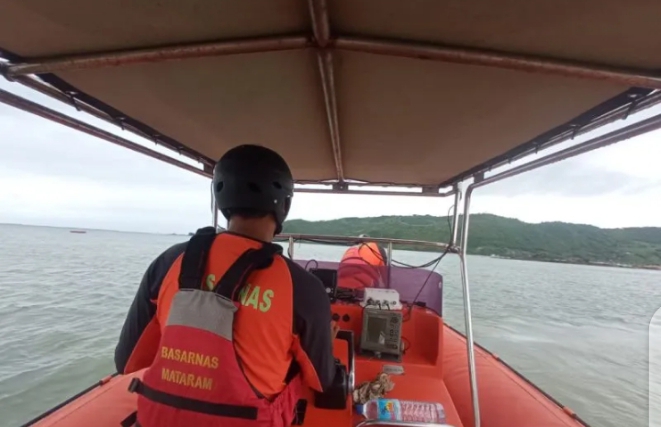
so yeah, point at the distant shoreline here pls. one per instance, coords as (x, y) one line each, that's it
(492, 235)
(558, 261)
(593, 264)
(479, 251)
(183, 234)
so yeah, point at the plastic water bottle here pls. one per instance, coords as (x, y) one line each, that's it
(403, 410)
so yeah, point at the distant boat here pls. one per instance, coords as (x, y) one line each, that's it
(78, 231)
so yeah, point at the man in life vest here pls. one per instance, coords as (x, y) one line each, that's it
(229, 329)
(362, 266)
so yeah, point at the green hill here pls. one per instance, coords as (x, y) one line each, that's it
(510, 238)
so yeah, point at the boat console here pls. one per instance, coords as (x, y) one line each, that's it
(379, 333)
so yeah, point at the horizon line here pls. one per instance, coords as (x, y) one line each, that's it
(163, 233)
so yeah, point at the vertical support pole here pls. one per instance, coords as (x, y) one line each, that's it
(290, 249)
(214, 218)
(214, 210)
(455, 215)
(389, 262)
(470, 347)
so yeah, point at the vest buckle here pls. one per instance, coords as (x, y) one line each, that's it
(134, 385)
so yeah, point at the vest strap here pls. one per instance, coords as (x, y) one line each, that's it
(219, 409)
(131, 420)
(195, 258)
(252, 259)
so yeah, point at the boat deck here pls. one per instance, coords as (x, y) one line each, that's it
(422, 378)
(433, 368)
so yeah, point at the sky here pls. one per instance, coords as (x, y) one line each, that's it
(53, 175)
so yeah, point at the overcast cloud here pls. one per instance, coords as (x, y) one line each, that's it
(52, 175)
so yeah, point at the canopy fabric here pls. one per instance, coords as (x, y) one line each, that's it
(401, 120)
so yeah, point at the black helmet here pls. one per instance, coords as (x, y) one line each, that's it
(254, 178)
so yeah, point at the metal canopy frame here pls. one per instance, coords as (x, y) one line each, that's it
(36, 74)
(32, 107)
(323, 42)
(643, 83)
(479, 180)
(206, 171)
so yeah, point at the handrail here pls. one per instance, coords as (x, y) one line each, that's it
(468, 317)
(353, 240)
(348, 190)
(455, 215)
(347, 335)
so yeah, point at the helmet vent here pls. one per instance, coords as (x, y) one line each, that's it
(254, 187)
(277, 185)
(219, 187)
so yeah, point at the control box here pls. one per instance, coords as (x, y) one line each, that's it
(381, 335)
(379, 298)
(329, 278)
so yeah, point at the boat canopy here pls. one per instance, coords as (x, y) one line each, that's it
(411, 93)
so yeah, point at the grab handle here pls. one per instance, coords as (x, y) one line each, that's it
(347, 335)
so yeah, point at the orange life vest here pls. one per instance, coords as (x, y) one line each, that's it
(360, 267)
(196, 378)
